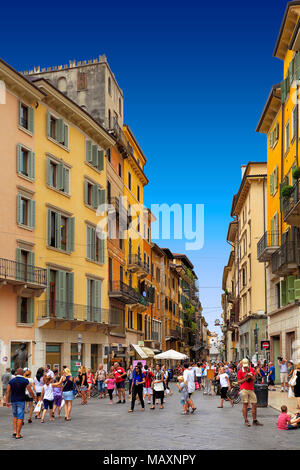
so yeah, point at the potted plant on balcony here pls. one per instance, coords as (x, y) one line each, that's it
(286, 191)
(296, 173)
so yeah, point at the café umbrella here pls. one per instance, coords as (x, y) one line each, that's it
(171, 354)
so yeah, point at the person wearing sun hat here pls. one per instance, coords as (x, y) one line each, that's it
(246, 376)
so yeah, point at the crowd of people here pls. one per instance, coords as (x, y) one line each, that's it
(56, 390)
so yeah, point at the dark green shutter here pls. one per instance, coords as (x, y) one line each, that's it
(100, 160)
(30, 119)
(88, 294)
(71, 234)
(31, 165)
(19, 266)
(60, 130)
(57, 230)
(70, 295)
(61, 294)
(48, 227)
(88, 242)
(66, 135)
(290, 289)
(86, 192)
(19, 158)
(48, 292)
(95, 155)
(31, 266)
(19, 208)
(297, 289)
(97, 301)
(95, 196)
(30, 310)
(283, 294)
(60, 176)
(32, 212)
(66, 180)
(88, 151)
(48, 124)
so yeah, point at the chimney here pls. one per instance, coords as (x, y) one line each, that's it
(243, 168)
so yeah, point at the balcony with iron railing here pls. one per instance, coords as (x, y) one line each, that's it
(267, 245)
(291, 206)
(135, 264)
(52, 311)
(22, 275)
(122, 292)
(286, 259)
(122, 143)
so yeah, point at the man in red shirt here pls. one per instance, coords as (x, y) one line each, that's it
(246, 376)
(120, 375)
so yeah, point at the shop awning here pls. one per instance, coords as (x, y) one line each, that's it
(140, 351)
(148, 351)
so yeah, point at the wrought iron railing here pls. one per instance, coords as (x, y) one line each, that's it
(269, 239)
(287, 253)
(13, 270)
(137, 260)
(70, 311)
(120, 286)
(289, 202)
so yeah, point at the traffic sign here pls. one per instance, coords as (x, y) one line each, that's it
(265, 345)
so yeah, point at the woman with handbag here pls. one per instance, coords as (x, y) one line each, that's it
(67, 392)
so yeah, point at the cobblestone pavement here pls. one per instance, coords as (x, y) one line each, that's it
(102, 426)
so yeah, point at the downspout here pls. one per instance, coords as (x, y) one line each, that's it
(265, 264)
(282, 150)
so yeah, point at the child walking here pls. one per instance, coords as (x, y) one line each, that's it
(183, 390)
(110, 382)
(48, 397)
(57, 396)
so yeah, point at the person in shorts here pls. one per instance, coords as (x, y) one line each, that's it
(16, 391)
(225, 386)
(120, 375)
(246, 377)
(148, 383)
(282, 363)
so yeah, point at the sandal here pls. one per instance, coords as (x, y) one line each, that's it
(19, 437)
(247, 424)
(220, 406)
(152, 408)
(161, 407)
(130, 411)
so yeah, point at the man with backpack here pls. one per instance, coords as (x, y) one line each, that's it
(148, 383)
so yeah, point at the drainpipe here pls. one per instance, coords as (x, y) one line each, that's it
(282, 150)
(265, 264)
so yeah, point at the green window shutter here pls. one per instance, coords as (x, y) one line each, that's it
(60, 130)
(61, 294)
(66, 180)
(276, 236)
(30, 119)
(71, 234)
(70, 295)
(48, 169)
(88, 242)
(88, 298)
(275, 179)
(30, 310)
(272, 184)
(297, 289)
(95, 196)
(95, 155)
(19, 301)
(19, 208)
(100, 160)
(31, 264)
(66, 135)
(19, 158)
(48, 227)
(60, 176)
(94, 241)
(48, 292)
(101, 249)
(19, 266)
(20, 106)
(272, 232)
(48, 124)
(282, 87)
(57, 230)
(86, 192)
(297, 66)
(32, 212)
(31, 165)
(97, 301)
(290, 289)
(283, 296)
(101, 196)
(88, 151)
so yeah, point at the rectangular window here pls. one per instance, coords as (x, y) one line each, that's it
(25, 211)
(294, 122)
(139, 322)
(25, 162)
(94, 155)
(287, 137)
(58, 176)
(129, 180)
(94, 300)
(130, 319)
(57, 130)
(138, 193)
(26, 116)
(94, 195)
(81, 81)
(60, 231)
(120, 170)
(25, 312)
(95, 246)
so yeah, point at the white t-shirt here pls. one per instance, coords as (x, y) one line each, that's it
(158, 387)
(50, 374)
(204, 373)
(48, 392)
(198, 371)
(30, 380)
(38, 385)
(189, 378)
(223, 380)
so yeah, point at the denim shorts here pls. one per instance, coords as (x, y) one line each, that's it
(18, 409)
(101, 386)
(67, 396)
(48, 404)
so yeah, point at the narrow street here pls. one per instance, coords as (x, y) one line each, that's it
(100, 426)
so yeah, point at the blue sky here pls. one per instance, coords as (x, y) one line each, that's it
(195, 77)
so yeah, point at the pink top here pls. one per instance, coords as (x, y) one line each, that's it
(110, 384)
(90, 378)
(283, 420)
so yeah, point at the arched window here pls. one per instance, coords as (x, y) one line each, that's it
(62, 84)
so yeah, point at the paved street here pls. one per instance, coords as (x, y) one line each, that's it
(101, 426)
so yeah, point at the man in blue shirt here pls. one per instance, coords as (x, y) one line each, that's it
(271, 376)
(16, 390)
